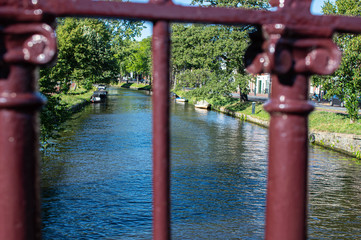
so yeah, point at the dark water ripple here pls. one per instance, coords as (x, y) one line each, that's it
(96, 181)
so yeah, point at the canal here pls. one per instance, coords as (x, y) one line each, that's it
(96, 179)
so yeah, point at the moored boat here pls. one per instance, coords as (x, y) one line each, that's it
(202, 104)
(180, 99)
(98, 96)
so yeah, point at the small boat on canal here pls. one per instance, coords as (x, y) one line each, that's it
(180, 99)
(99, 96)
(102, 87)
(202, 104)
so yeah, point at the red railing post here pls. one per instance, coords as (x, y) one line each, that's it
(291, 61)
(19, 160)
(161, 132)
(24, 46)
(286, 213)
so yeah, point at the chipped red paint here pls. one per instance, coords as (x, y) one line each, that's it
(292, 44)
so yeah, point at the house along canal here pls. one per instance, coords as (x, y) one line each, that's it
(96, 180)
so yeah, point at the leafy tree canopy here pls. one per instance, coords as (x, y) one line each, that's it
(346, 81)
(214, 48)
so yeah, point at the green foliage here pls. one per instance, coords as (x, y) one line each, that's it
(193, 78)
(85, 47)
(139, 61)
(217, 48)
(210, 57)
(346, 81)
(352, 106)
(52, 115)
(215, 88)
(358, 154)
(133, 56)
(88, 54)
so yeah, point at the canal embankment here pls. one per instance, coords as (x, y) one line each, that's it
(79, 105)
(331, 130)
(349, 144)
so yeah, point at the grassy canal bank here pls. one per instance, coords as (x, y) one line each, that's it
(72, 99)
(327, 129)
(139, 86)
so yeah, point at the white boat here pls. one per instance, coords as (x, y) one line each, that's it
(202, 104)
(98, 96)
(181, 100)
(95, 99)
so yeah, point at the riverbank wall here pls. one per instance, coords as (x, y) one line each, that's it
(79, 106)
(349, 144)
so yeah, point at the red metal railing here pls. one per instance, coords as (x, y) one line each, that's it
(292, 41)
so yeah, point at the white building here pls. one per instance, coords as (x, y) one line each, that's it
(261, 84)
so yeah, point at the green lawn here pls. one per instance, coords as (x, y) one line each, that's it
(246, 108)
(333, 122)
(140, 86)
(318, 120)
(75, 97)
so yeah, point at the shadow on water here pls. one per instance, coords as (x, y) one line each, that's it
(96, 181)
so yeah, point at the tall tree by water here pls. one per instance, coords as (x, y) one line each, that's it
(346, 81)
(140, 61)
(216, 49)
(85, 54)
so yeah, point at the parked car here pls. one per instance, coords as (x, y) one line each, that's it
(335, 100)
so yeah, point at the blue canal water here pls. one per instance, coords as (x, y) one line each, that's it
(96, 180)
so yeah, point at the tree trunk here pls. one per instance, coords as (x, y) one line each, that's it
(243, 97)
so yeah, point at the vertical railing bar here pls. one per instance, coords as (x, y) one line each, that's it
(286, 212)
(19, 158)
(161, 132)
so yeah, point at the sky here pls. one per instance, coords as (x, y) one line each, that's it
(315, 9)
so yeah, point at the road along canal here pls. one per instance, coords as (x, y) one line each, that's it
(96, 180)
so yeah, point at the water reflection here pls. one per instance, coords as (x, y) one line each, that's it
(335, 195)
(96, 181)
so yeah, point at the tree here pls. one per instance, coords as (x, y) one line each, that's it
(346, 81)
(85, 51)
(210, 85)
(87, 55)
(139, 59)
(219, 49)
